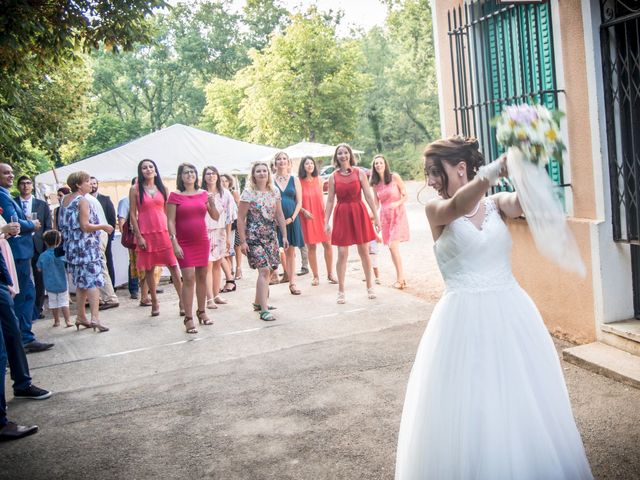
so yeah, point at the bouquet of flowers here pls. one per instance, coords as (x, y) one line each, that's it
(533, 129)
(531, 136)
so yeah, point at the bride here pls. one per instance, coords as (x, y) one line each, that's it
(486, 398)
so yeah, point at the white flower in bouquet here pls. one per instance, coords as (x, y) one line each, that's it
(533, 129)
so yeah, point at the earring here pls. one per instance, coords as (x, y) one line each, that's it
(459, 174)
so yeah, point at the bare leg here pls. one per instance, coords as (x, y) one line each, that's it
(67, 316)
(313, 260)
(225, 265)
(262, 288)
(176, 279)
(394, 248)
(341, 267)
(238, 251)
(81, 301)
(210, 289)
(363, 251)
(201, 287)
(328, 259)
(150, 280)
(94, 303)
(144, 289)
(290, 269)
(188, 286)
(56, 316)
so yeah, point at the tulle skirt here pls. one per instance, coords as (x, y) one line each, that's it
(486, 398)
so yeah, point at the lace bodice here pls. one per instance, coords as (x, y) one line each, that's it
(473, 259)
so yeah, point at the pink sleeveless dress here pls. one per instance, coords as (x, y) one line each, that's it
(152, 222)
(393, 221)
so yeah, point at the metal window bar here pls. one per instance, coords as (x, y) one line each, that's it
(500, 55)
(620, 43)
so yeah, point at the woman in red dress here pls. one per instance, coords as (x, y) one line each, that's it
(186, 210)
(148, 219)
(313, 218)
(351, 221)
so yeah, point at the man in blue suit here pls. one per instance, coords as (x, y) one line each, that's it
(31, 205)
(22, 249)
(11, 350)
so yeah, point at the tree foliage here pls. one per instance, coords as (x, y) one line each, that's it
(40, 43)
(304, 85)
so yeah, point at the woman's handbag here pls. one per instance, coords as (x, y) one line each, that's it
(128, 239)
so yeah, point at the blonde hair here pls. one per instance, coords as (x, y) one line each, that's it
(252, 180)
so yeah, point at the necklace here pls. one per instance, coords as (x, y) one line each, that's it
(345, 173)
(281, 178)
(151, 191)
(475, 210)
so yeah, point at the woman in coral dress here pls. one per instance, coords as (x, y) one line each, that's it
(351, 221)
(148, 219)
(312, 218)
(186, 210)
(390, 194)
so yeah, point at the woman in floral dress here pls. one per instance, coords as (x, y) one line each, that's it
(259, 214)
(80, 226)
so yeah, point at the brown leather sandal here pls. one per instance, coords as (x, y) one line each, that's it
(203, 319)
(192, 328)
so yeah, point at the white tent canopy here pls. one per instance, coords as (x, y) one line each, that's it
(168, 148)
(302, 149)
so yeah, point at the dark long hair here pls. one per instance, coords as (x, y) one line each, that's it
(157, 181)
(179, 182)
(375, 177)
(302, 173)
(218, 182)
(454, 150)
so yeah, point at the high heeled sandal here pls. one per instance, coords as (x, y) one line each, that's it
(155, 311)
(332, 280)
(182, 311)
(211, 304)
(192, 328)
(371, 294)
(341, 299)
(203, 319)
(101, 328)
(399, 285)
(257, 307)
(267, 316)
(227, 290)
(219, 300)
(293, 290)
(315, 282)
(82, 324)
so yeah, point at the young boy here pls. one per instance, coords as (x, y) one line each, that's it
(55, 278)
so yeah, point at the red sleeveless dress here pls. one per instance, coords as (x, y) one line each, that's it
(351, 222)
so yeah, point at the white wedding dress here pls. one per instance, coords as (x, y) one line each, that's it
(486, 398)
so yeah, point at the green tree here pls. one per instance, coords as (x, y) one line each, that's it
(304, 85)
(39, 44)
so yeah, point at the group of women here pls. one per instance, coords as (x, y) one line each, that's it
(287, 211)
(190, 230)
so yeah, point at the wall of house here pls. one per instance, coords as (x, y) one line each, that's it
(566, 301)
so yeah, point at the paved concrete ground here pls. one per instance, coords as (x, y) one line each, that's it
(316, 395)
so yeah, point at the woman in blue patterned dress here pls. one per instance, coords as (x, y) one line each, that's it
(291, 198)
(80, 226)
(259, 215)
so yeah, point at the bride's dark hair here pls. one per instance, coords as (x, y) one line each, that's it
(454, 150)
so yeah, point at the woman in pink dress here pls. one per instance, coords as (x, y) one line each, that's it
(186, 210)
(390, 195)
(313, 218)
(148, 219)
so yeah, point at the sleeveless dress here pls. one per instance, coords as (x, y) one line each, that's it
(351, 221)
(393, 221)
(486, 398)
(82, 249)
(191, 229)
(216, 229)
(288, 200)
(261, 226)
(152, 222)
(312, 201)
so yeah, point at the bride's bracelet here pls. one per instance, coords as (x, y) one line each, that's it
(490, 172)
